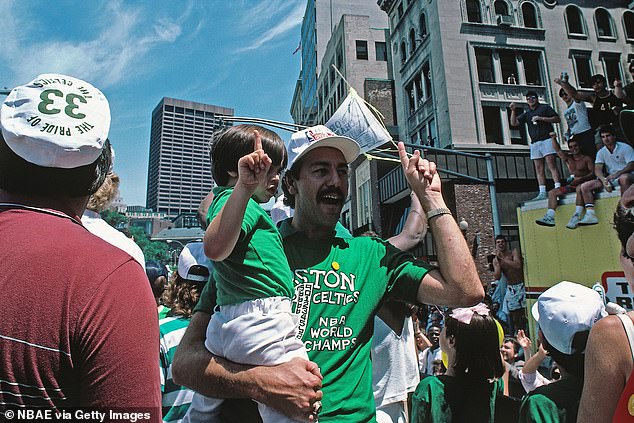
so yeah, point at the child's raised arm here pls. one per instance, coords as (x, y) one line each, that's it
(224, 230)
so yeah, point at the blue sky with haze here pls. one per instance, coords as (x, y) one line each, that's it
(236, 54)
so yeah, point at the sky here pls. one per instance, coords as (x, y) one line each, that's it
(236, 54)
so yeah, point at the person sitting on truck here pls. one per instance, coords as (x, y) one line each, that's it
(581, 169)
(617, 160)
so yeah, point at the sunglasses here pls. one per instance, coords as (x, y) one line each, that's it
(531, 97)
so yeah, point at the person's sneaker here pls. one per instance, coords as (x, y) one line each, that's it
(574, 221)
(540, 196)
(588, 219)
(546, 221)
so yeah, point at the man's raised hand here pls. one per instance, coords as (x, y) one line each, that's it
(253, 168)
(420, 174)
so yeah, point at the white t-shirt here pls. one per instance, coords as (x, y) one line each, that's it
(97, 226)
(616, 160)
(577, 117)
(426, 360)
(394, 363)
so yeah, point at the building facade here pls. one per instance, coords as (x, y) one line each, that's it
(458, 64)
(179, 173)
(318, 24)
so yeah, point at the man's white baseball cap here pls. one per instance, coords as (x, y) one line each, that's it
(320, 136)
(565, 309)
(193, 265)
(56, 121)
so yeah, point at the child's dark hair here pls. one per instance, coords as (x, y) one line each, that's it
(477, 347)
(231, 143)
(572, 363)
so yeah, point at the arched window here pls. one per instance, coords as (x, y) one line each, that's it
(575, 21)
(501, 8)
(423, 25)
(474, 12)
(529, 15)
(412, 41)
(628, 24)
(403, 52)
(604, 23)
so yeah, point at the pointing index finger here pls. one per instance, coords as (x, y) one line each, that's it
(258, 141)
(402, 154)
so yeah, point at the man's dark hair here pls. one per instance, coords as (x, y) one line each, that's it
(572, 363)
(290, 175)
(597, 78)
(229, 144)
(624, 226)
(500, 237)
(477, 347)
(516, 345)
(18, 176)
(607, 129)
(531, 93)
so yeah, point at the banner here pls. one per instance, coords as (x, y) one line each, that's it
(353, 119)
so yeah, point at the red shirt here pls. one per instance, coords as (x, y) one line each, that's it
(79, 323)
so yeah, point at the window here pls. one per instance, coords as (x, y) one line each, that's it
(412, 41)
(381, 51)
(532, 67)
(604, 23)
(501, 8)
(517, 134)
(409, 93)
(508, 62)
(474, 13)
(492, 125)
(423, 26)
(484, 62)
(583, 68)
(628, 24)
(612, 67)
(427, 78)
(362, 49)
(403, 52)
(529, 14)
(574, 21)
(399, 10)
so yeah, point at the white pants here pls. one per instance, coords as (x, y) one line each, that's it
(395, 412)
(258, 332)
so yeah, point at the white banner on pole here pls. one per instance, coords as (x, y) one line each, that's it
(353, 119)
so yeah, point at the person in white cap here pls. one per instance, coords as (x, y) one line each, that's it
(565, 314)
(80, 325)
(180, 297)
(339, 284)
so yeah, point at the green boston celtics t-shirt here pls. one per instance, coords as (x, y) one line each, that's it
(257, 266)
(339, 284)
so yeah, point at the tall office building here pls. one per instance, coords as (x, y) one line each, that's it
(179, 173)
(320, 19)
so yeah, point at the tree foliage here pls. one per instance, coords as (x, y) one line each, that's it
(152, 250)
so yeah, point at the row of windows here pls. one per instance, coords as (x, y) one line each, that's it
(575, 22)
(380, 50)
(529, 13)
(509, 64)
(413, 39)
(189, 112)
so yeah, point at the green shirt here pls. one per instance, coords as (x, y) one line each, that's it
(557, 402)
(339, 284)
(257, 267)
(175, 398)
(447, 399)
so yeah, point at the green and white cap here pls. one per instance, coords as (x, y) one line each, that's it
(56, 121)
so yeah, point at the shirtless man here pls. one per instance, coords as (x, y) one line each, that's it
(581, 168)
(509, 263)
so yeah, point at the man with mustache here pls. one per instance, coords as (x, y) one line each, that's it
(339, 282)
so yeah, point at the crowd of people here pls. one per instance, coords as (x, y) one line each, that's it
(295, 320)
